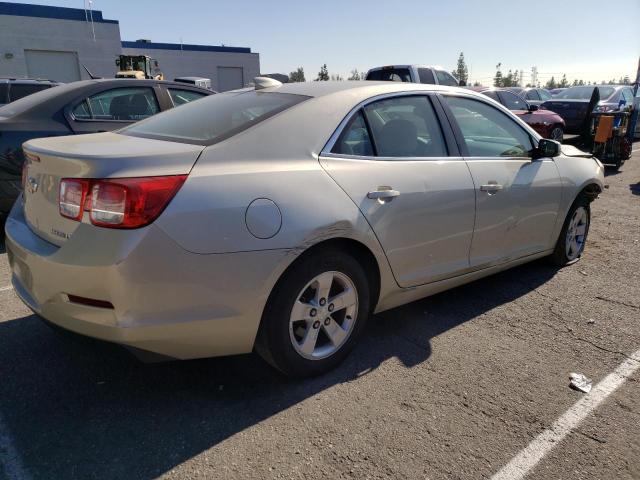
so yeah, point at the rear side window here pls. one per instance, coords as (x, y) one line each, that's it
(125, 104)
(405, 127)
(445, 78)
(492, 95)
(545, 94)
(390, 75)
(4, 92)
(19, 90)
(487, 131)
(180, 97)
(214, 118)
(354, 139)
(426, 76)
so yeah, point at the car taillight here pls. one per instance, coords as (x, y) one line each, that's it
(118, 202)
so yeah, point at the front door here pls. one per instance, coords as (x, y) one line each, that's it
(392, 160)
(517, 199)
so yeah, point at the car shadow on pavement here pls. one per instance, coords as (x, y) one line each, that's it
(635, 188)
(80, 408)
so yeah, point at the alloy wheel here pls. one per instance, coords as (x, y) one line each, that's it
(576, 233)
(323, 315)
(557, 134)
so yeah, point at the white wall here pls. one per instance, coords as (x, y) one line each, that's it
(18, 34)
(176, 63)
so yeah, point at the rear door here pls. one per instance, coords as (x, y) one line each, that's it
(517, 199)
(113, 108)
(403, 171)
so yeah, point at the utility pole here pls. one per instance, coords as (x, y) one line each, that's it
(534, 76)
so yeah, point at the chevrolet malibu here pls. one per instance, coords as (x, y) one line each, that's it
(278, 218)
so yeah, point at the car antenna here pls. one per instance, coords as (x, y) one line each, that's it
(91, 75)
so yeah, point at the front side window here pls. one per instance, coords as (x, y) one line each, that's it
(125, 104)
(426, 76)
(180, 97)
(445, 78)
(487, 131)
(390, 75)
(214, 118)
(532, 95)
(405, 127)
(513, 101)
(354, 139)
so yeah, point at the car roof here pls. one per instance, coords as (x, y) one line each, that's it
(408, 65)
(362, 88)
(27, 80)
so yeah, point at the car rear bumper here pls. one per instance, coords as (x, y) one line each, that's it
(165, 299)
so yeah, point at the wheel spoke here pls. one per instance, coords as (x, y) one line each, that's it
(335, 332)
(323, 286)
(581, 229)
(574, 247)
(345, 299)
(301, 311)
(309, 341)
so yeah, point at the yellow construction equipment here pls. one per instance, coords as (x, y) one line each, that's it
(138, 66)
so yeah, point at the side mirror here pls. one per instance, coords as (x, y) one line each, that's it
(533, 108)
(546, 149)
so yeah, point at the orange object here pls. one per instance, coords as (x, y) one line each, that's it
(605, 129)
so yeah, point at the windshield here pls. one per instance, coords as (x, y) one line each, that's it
(584, 93)
(390, 75)
(215, 118)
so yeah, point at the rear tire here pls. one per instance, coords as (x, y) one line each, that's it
(573, 237)
(315, 314)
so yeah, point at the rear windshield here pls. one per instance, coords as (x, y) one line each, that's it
(390, 75)
(215, 118)
(584, 93)
(21, 90)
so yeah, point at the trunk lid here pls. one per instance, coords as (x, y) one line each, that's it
(102, 155)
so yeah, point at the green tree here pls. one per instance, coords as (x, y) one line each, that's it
(498, 80)
(355, 75)
(323, 74)
(461, 72)
(337, 78)
(563, 83)
(551, 84)
(297, 76)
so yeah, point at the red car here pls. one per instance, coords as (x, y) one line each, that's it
(547, 123)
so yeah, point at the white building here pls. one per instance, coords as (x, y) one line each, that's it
(55, 43)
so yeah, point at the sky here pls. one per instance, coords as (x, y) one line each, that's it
(590, 40)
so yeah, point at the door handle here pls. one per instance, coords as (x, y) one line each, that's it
(383, 193)
(491, 187)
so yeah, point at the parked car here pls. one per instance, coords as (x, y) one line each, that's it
(573, 104)
(412, 73)
(533, 96)
(79, 107)
(281, 218)
(12, 89)
(197, 81)
(548, 124)
(556, 91)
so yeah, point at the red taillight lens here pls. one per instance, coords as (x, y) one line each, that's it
(72, 197)
(123, 202)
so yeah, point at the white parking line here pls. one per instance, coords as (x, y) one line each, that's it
(10, 461)
(4, 289)
(528, 458)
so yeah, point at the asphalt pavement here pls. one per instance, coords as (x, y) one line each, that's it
(454, 386)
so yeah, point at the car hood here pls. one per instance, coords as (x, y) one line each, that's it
(571, 151)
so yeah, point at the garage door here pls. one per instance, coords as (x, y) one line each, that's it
(230, 78)
(52, 65)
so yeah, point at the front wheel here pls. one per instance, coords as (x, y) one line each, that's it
(573, 236)
(557, 134)
(315, 314)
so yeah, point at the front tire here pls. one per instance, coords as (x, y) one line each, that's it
(573, 237)
(315, 314)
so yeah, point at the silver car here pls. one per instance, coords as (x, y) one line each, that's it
(279, 218)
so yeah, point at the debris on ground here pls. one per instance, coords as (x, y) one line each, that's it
(591, 321)
(584, 273)
(580, 382)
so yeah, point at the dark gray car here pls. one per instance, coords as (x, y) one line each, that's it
(89, 106)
